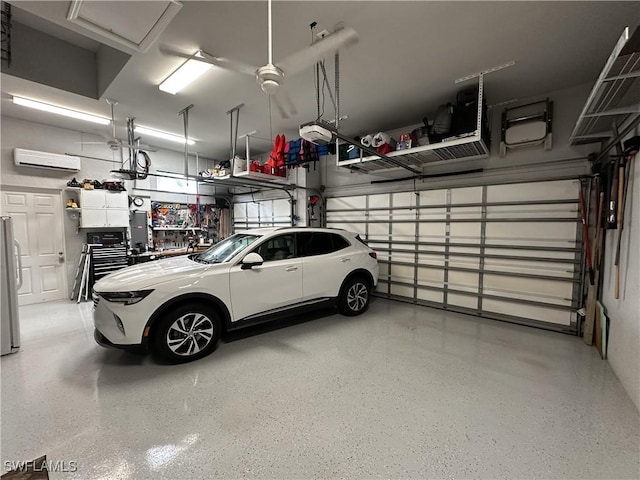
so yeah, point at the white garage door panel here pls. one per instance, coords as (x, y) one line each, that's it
(240, 211)
(466, 213)
(532, 312)
(264, 213)
(533, 211)
(530, 231)
(432, 214)
(518, 192)
(465, 232)
(348, 203)
(430, 295)
(431, 276)
(429, 259)
(402, 272)
(560, 255)
(253, 210)
(433, 197)
(404, 199)
(282, 209)
(556, 291)
(403, 231)
(466, 195)
(432, 232)
(378, 201)
(401, 291)
(441, 263)
(466, 301)
(521, 266)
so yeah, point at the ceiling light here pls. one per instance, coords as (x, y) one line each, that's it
(46, 107)
(164, 135)
(185, 74)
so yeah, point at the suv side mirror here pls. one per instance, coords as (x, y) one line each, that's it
(252, 260)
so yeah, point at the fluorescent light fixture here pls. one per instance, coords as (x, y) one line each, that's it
(185, 74)
(164, 135)
(46, 107)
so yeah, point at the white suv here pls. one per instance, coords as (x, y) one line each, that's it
(177, 308)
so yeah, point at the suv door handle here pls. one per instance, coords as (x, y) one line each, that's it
(345, 260)
(291, 269)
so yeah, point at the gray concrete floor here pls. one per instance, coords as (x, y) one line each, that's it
(401, 391)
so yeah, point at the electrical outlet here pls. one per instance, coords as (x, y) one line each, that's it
(322, 33)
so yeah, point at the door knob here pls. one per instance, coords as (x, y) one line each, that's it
(60, 257)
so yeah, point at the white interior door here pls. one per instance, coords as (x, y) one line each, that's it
(37, 225)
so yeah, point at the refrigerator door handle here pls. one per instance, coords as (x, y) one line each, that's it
(19, 264)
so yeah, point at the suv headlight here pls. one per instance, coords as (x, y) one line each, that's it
(127, 298)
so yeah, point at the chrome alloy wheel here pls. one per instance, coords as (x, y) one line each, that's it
(190, 334)
(357, 296)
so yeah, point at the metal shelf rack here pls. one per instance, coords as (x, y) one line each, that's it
(615, 97)
(461, 148)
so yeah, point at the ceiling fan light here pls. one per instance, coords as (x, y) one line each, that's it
(269, 87)
(188, 72)
(164, 135)
(67, 112)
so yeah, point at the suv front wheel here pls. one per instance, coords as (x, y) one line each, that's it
(186, 333)
(355, 296)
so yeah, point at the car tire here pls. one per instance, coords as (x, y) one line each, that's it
(355, 296)
(186, 333)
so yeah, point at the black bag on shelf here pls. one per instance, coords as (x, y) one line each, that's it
(466, 115)
(442, 121)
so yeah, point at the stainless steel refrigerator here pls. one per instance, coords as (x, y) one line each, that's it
(11, 281)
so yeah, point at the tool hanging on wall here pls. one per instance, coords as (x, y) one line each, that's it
(593, 288)
(585, 236)
(624, 177)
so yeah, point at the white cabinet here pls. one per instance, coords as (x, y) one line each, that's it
(104, 208)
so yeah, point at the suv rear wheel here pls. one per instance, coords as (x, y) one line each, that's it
(186, 333)
(354, 297)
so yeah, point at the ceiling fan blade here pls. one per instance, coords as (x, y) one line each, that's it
(309, 56)
(284, 104)
(221, 62)
(227, 63)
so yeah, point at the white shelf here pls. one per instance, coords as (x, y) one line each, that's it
(456, 149)
(463, 147)
(615, 97)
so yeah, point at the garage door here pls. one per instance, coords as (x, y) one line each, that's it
(510, 252)
(265, 213)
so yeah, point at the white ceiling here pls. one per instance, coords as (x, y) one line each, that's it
(405, 64)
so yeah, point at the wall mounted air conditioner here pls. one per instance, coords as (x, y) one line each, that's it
(52, 161)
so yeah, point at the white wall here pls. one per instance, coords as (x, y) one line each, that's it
(624, 313)
(35, 136)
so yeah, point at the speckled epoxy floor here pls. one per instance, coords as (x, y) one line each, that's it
(402, 391)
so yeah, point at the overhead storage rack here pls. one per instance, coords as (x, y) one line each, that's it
(615, 97)
(470, 146)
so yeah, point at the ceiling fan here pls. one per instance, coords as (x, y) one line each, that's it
(271, 76)
(113, 142)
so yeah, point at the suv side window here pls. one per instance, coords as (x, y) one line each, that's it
(278, 248)
(319, 243)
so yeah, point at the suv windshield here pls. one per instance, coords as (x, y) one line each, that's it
(226, 249)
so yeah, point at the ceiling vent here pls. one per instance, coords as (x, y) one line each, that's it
(132, 25)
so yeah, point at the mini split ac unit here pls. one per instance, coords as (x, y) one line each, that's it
(52, 161)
